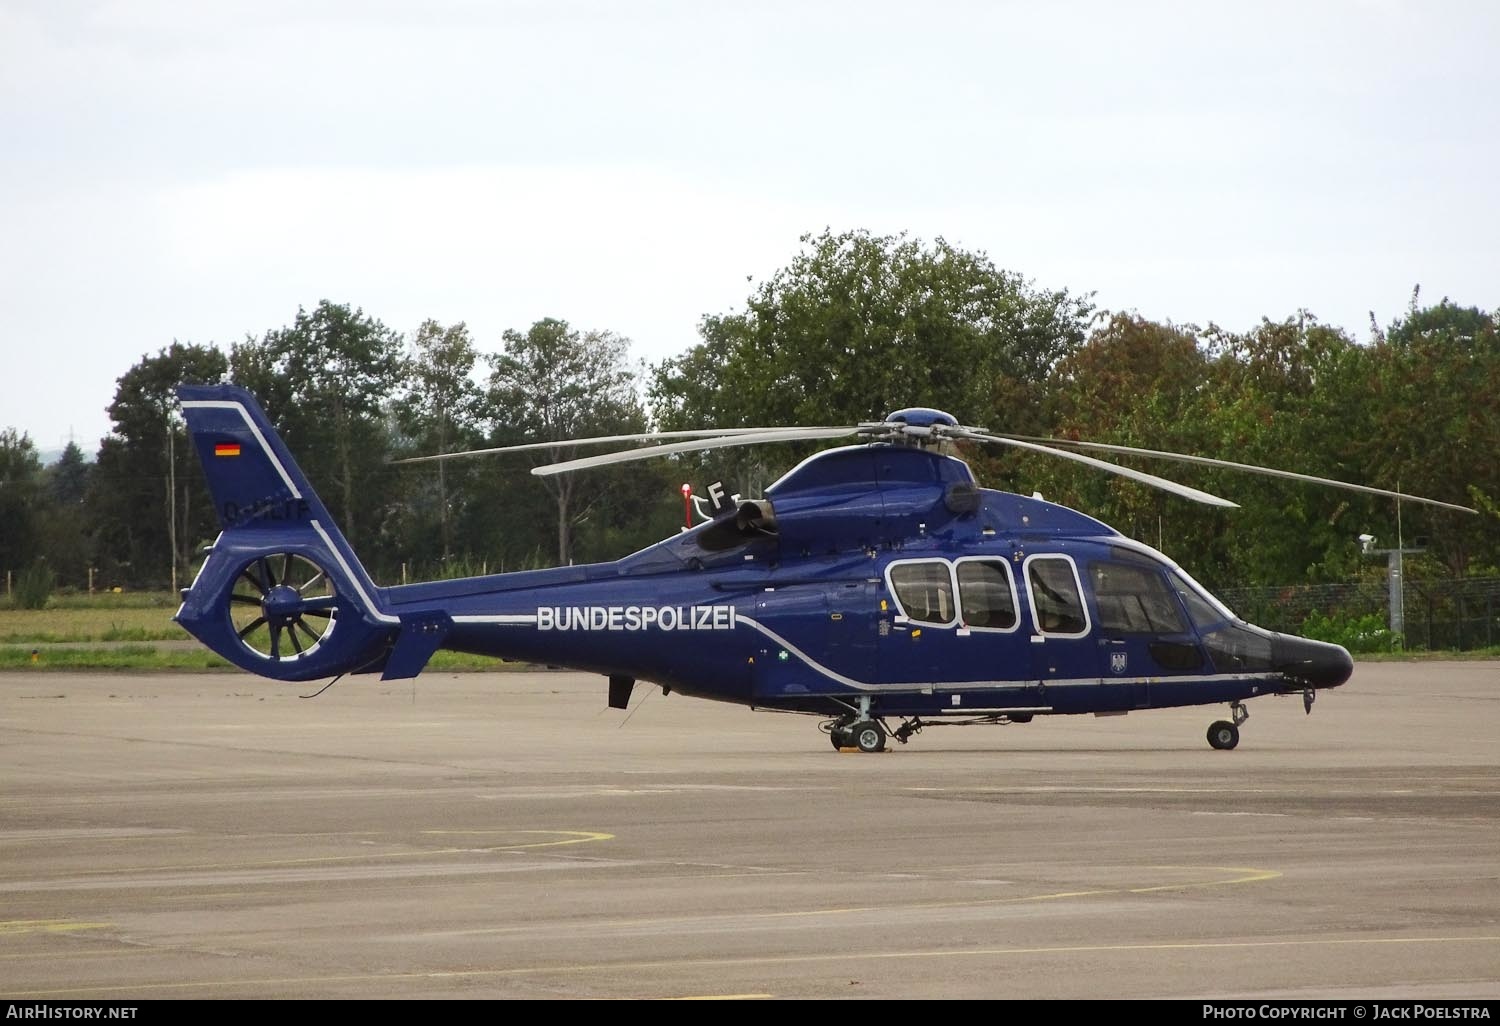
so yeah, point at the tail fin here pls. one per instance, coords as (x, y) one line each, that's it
(281, 593)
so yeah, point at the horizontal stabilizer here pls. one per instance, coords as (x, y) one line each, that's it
(421, 635)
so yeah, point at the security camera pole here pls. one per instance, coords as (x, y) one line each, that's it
(1397, 594)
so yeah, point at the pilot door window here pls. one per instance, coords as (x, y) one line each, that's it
(1056, 602)
(924, 591)
(1134, 600)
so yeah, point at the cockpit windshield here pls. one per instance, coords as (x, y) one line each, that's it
(1202, 612)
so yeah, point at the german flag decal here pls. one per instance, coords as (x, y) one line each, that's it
(226, 448)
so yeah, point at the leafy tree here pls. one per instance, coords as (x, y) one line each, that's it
(131, 499)
(65, 532)
(1434, 384)
(555, 383)
(19, 472)
(1286, 395)
(857, 326)
(439, 412)
(324, 382)
(1134, 382)
(860, 325)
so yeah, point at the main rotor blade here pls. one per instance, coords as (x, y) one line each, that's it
(758, 438)
(600, 440)
(1113, 468)
(1253, 469)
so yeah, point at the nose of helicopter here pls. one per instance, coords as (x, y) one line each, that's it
(1319, 663)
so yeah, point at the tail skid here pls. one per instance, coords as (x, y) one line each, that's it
(281, 593)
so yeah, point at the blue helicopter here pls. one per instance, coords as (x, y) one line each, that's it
(874, 583)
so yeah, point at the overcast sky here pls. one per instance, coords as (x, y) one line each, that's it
(196, 171)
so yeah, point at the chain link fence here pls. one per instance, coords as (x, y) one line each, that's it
(1449, 614)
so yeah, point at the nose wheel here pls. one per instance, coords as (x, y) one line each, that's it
(866, 735)
(1224, 734)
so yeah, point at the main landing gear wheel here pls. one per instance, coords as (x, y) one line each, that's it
(868, 735)
(840, 737)
(1223, 735)
(282, 606)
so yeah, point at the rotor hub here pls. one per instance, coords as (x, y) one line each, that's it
(921, 416)
(281, 602)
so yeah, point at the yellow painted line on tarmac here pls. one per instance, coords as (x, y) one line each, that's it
(809, 912)
(574, 837)
(1248, 876)
(74, 955)
(12, 927)
(769, 960)
(1242, 876)
(569, 837)
(1239, 876)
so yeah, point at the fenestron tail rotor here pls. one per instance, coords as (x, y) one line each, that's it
(282, 606)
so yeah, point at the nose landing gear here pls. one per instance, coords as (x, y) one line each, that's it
(866, 735)
(1224, 735)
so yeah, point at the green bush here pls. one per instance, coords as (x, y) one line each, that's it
(1366, 633)
(34, 586)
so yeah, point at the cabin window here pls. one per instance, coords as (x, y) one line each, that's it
(987, 594)
(1134, 600)
(1056, 600)
(924, 590)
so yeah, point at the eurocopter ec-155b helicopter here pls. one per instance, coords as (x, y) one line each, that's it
(873, 583)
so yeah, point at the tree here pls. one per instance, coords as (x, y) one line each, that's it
(1286, 395)
(554, 383)
(145, 492)
(68, 478)
(324, 382)
(1435, 380)
(64, 533)
(439, 412)
(860, 325)
(19, 471)
(1133, 382)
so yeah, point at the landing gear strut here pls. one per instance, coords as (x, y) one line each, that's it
(1224, 735)
(859, 729)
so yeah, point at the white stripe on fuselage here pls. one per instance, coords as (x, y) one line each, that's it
(983, 685)
(370, 606)
(522, 620)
